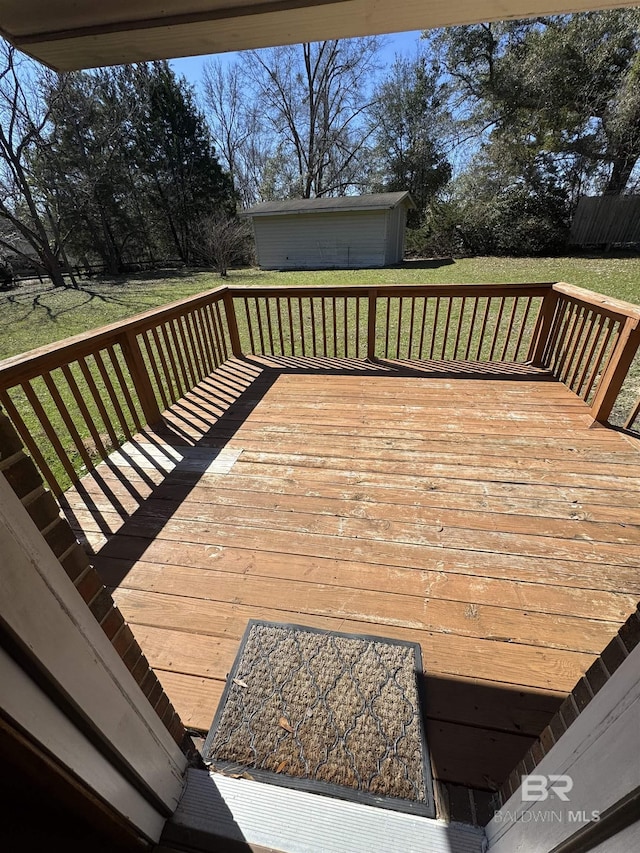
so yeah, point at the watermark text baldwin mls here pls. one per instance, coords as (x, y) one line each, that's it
(554, 788)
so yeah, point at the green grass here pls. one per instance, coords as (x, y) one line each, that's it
(35, 314)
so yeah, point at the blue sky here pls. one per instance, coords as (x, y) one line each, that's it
(396, 43)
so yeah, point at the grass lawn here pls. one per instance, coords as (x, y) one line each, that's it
(35, 314)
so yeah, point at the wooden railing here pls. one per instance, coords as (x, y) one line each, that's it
(434, 322)
(75, 401)
(588, 342)
(584, 339)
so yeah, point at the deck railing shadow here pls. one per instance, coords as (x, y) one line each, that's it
(146, 475)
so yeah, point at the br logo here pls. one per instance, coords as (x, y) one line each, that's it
(536, 788)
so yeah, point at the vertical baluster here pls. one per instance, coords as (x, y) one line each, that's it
(229, 324)
(559, 321)
(124, 387)
(63, 411)
(459, 329)
(313, 326)
(472, 326)
(292, 337)
(483, 327)
(434, 330)
(387, 327)
(372, 318)
(180, 323)
(576, 337)
(263, 350)
(412, 318)
(219, 326)
(179, 355)
(610, 336)
(302, 324)
(97, 399)
(323, 317)
(202, 331)
(280, 326)
(423, 326)
(507, 339)
(559, 346)
(334, 317)
(84, 410)
(590, 318)
(111, 391)
(399, 327)
(596, 330)
(247, 313)
(191, 344)
(345, 326)
(49, 430)
(445, 335)
(198, 342)
(272, 349)
(210, 333)
(29, 442)
(168, 359)
(154, 368)
(523, 326)
(496, 329)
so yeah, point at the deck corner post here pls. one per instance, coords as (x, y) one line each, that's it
(543, 327)
(371, 324)
(232, 323)
(616, 371)
(140, 376)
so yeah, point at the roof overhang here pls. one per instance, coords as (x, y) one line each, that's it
(73, 34)
(330, 205)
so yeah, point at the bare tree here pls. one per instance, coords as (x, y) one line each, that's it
(223, 240)
(30, 228)
(314, 97)
(238, 133)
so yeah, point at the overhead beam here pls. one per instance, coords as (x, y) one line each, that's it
(89, 36)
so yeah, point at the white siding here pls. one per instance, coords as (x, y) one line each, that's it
(395, 234)
(324, 240)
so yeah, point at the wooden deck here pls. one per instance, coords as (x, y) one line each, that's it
(482, 514)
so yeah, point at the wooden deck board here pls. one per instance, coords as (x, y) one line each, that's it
(485, 517)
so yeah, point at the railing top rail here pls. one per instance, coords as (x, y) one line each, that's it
(598, 300)
(26, 365)
(488, 289)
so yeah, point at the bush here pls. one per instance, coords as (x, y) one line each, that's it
(224, 240)
(517, 221)
(438, 235)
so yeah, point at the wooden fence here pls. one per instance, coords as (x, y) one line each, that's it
(75, 401)
(606, 221)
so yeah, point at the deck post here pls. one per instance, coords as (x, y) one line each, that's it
(616, 371)
(542, 330)
(371, 325)
(232, 323)
(140, 375)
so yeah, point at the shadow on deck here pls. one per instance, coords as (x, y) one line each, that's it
(492, 521)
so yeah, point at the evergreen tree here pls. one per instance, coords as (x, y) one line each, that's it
(408, 126)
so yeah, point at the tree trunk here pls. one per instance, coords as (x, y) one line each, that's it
(53, 268)
(622, 168)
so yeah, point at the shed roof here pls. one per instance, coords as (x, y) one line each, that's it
(371, 201)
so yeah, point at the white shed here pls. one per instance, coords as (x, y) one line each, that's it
(331, 233)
